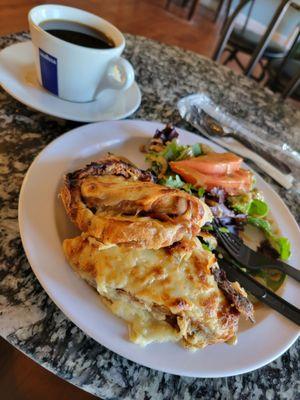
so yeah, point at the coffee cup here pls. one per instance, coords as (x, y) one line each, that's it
(65, 64)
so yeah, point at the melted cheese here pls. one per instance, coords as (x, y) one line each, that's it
(108, 188)
(147, 287)
(142, 326)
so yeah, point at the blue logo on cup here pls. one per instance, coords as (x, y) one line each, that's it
(48, 65)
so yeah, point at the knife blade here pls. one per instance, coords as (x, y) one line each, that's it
(262, 293)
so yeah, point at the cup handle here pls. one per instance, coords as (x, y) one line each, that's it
(120, 74)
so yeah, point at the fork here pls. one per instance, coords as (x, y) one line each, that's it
(248, 257)
(214, 128)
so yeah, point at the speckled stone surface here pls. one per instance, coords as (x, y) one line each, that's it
(29, 319)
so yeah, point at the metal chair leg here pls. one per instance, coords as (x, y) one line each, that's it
(226, 32)
(231, 56)
(262, 75)
(167, 5)
(227, 12)
(293, 46)
(219, 10)
(259, 51)
(192, 9)
(292, 86)
(242, 67)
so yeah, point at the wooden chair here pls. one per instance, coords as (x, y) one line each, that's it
(244, 40)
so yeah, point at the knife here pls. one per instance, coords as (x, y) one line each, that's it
(215, 129)
(249, 258)
(235, 146)
(262, 293)
(254, 260)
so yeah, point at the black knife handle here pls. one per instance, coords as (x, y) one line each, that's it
(287, 269)
(257, 260)
(261, 292)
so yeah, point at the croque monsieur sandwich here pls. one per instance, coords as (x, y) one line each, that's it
(117, 203)
(139, 249)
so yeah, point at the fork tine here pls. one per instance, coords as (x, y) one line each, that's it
(228, 243)
(216, 222)
(235, 239)
(222, 236)
(230, 235)
(233, 242)
(228, 240)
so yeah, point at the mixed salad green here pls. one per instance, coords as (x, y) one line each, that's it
(235, 212)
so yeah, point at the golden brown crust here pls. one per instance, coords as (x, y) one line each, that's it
(180, 291)
(138, 249)
(117, 203)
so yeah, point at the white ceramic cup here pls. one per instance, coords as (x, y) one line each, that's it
(73, 72)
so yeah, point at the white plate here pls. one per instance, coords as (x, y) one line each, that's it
(44, 225)
(18, 78)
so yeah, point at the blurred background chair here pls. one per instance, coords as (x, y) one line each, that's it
(261, 48)
(284, 75)
(252, 36)
(220, 7)
(191, 6)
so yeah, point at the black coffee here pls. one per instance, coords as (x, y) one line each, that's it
(76, 33)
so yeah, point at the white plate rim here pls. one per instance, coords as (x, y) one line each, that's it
(171, 369)
(56, 113)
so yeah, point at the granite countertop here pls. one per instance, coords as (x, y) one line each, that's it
(29, 319)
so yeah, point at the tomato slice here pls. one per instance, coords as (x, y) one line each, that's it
(238, 182)
(214, 163)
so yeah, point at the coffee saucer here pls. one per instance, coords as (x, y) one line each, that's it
(18, 78)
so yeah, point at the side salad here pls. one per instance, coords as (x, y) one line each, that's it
(228, 189)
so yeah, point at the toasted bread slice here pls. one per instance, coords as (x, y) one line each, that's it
(117, 203)
(165, 294)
